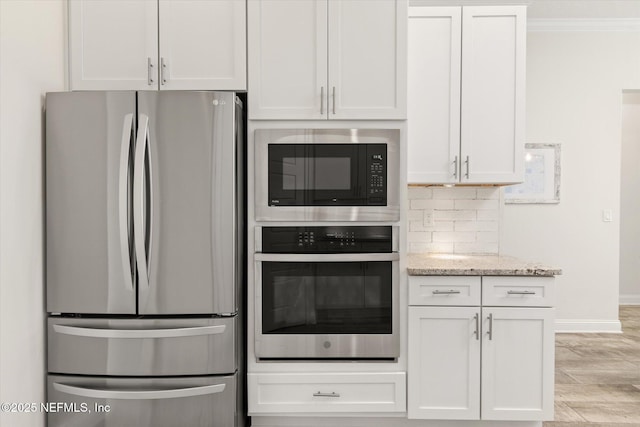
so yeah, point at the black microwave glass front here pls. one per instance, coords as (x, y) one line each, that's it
(327, 175)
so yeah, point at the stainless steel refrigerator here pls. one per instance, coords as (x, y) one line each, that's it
(144, 244)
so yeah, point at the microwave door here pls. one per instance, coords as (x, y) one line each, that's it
(89, 143)
(334, 175)
(192, 228)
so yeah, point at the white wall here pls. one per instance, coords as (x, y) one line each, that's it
(574, 97)
(32, 53)
(630, 201)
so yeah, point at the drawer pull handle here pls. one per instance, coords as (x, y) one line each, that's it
(449, 292)
(321, 394)
(521, 293)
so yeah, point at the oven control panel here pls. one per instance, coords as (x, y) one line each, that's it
(327, 239)
(377, 174)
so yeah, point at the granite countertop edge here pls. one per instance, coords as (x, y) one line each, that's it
(475, 265)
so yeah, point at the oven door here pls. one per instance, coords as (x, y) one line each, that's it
(327, 175)
(327, 306)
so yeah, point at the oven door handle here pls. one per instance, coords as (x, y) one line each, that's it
(394, 256)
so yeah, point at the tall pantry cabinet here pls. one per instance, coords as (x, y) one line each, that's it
(466, 94)
(157, 44)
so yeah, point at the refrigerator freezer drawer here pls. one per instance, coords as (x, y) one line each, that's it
(142, 347)
(142, 402)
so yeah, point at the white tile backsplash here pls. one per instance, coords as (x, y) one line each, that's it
(466, 220)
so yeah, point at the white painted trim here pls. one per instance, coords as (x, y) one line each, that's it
(582, 24)
(587, 326)
(630, 299)
(362, 420)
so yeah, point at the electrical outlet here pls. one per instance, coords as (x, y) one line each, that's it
(607, 215)
(428, 218)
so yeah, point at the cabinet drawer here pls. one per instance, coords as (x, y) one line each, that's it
(326, 393)
(444, 290)
(509, 291)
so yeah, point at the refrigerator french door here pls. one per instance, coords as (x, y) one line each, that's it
(144, 256)
(146, 192)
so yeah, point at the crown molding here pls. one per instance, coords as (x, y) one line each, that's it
(584, 25)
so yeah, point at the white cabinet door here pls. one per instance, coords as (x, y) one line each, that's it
(444, 363)
(287, 59)
(517, 364)
(367, 59)
(493, 88)
(202, 44)
(434, 94)
(113, 45)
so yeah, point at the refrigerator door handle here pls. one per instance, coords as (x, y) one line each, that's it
(139, 333)
(139, 230)
(139, 395)
(123, 202)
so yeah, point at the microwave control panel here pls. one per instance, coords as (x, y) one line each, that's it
(377, 174)
(329, 239)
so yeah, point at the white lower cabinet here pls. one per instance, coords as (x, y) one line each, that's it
(444, 363)
(517, 364)
(280, 393)
(481, 363)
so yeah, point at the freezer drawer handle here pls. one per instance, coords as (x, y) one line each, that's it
(138, 333)
(139, 395)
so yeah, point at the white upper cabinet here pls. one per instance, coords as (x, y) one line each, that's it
(434, 94)
(113, 44)
(287, 59)
(202, 44)
(466, 94)
(123, 45)
(319, 59)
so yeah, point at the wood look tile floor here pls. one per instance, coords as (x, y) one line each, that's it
(598, 377)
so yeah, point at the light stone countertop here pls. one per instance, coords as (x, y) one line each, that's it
(474, 265)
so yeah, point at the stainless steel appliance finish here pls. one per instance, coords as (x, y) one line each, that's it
(145, 248)
(206, 401)
(89, 140)
(142, 347)
(181, 223)
(341, 342)
(192, 170)
(388, 212)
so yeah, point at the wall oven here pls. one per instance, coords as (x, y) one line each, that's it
(327, 292)
(327, 174)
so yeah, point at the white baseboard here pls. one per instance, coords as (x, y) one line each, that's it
(378, 420)
(630, 299)
(578, 325)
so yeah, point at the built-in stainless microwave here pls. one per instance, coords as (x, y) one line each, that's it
(327, 174)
